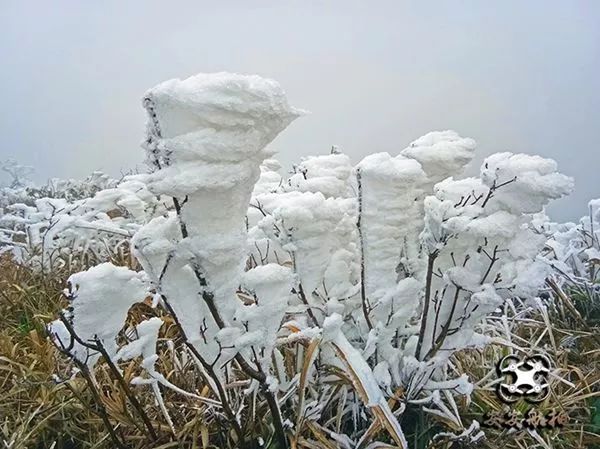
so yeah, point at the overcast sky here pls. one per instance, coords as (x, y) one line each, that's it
(514, 75)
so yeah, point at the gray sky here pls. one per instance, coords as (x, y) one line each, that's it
(514, 75)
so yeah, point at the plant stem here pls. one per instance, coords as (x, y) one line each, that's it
(428, 281)
(363, 291)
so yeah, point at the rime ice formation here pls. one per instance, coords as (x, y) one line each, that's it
(330, 175)
(441, 153)
(314, 231)
(97, 215)
(490, 223)
(206, 140)
(389, 266)
(390, 191)
(100, 299)
(574, 248)
(269, 285)
(536, 181)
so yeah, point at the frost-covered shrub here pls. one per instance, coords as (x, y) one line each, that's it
(573, 252)
(376, 273)
(99, 308)
(19, 174)
(65, 221)
(575, 247)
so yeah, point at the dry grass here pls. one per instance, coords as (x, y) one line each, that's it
(40, 410)
(37, 411)
(575, 355)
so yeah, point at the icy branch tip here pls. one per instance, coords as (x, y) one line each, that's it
(220, 101)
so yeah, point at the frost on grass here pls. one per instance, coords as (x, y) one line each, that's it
(380, 270)
(573, 257)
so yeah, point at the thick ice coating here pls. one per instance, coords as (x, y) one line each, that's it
(378, 272)
(219, 118)
(99, 308)
(441, 153)
(206, 139)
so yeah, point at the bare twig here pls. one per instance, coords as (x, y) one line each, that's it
(366, 307)
(99, 347)
(428, 281)
(85, 372)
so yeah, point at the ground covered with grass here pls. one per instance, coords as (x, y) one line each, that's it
(44, 405)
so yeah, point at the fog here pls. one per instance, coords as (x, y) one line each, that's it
(517, 76)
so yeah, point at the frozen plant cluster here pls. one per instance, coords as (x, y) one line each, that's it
(377, 273)
(73, 223)
(573, 252)
(575, 247)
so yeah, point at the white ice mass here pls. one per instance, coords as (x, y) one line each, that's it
(390, 265)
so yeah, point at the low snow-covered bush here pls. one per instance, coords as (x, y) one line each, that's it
(337, 296)
(573, 251)
(74, 223)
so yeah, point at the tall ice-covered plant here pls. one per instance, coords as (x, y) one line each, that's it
(337, 290)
